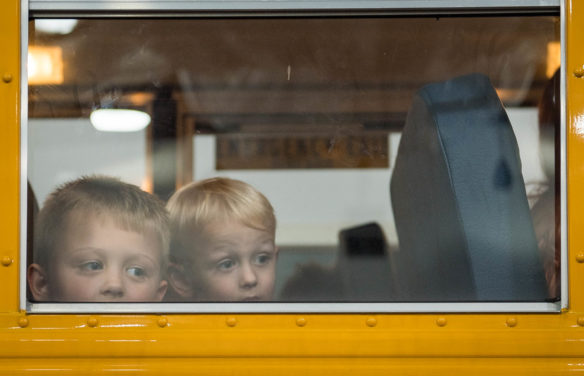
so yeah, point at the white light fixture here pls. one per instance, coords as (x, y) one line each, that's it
(62, 26)
(119, 120)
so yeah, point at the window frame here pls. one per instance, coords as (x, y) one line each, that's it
(36, 9)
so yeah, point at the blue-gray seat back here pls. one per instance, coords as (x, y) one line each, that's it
(459, 199)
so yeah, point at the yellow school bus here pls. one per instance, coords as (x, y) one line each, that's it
(315, 103)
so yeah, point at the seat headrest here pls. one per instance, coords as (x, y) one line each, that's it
(364, 264)
(459, 198)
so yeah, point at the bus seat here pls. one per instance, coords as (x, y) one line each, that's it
(459, 200)
(364, 264)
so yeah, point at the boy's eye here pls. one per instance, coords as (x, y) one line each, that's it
(226, 265)
(91, 266)
(136, 271)
(262, 259)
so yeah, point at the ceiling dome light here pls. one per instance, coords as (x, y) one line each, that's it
(118, 120)
(49, 26)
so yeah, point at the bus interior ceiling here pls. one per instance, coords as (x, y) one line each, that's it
(288, 70)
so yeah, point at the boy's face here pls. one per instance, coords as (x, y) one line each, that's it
(234, 262)
(97, 261)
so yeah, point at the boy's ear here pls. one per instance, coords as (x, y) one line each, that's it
(161, 290)
(179, 282)
(38, 283)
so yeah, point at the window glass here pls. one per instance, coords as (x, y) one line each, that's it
(348, 159)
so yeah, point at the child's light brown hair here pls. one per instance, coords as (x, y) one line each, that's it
(127, 205)
(213, 200)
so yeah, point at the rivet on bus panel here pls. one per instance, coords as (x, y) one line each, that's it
(231, 321)
(162, 322)
(580, 321)
(580, 257)
(23, 322)
(301, 321)
(579, 72)
(92, 322)
(441, 321)
(6, 261)
(511, 322)
(7, 78)
(371, 322)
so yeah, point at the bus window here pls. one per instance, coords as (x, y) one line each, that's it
(405, 160)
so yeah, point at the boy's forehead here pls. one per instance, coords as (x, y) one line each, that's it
(98, 217)
(104, 229)
(222, 226)
(218, 230)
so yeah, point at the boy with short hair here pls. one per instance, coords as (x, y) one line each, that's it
(223, 242)
(98, 239)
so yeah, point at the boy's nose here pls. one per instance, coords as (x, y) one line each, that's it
(248, 278)
(113, 286)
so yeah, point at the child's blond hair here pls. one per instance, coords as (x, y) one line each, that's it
(127, 205)
(214, 200)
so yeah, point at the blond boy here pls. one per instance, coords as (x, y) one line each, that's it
(98, 239)
(222, 246)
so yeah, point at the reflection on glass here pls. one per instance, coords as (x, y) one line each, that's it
(319, 115)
